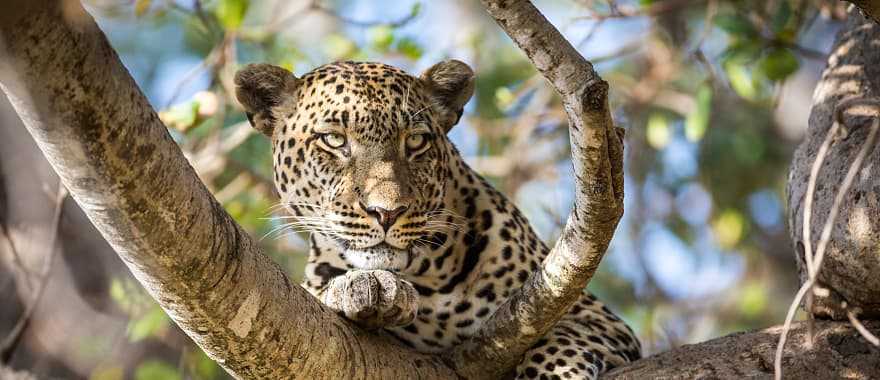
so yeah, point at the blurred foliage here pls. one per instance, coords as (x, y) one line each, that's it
(702, 247)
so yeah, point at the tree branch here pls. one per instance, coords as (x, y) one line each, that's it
(597, 157)
(871, 8)
(121, 165)
(838, 351)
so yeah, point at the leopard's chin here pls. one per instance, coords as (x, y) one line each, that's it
(379, 256)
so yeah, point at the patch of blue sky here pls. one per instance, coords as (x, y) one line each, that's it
(156, 56)
(684, 271)
(765, 208)
(694, 204)
(679, 158)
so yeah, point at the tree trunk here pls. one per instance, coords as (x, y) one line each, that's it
(121, 166)
(852, 258)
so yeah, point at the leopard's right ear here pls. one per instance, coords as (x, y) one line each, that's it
(266, 92)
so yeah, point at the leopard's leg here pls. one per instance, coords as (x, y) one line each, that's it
(588, 341)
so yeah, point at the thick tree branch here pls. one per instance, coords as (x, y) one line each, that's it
(121, 165)
(837, 352)
(597, 157)
(850, 84)
(871, 8)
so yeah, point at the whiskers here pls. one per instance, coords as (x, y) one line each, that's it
(280, 206)
(444, 220)
(291, 224)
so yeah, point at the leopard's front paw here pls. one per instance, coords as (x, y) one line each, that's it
(372, 298)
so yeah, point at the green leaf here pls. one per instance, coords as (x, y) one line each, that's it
(753, 299)
(108, 372)
(741, 80)
(736, 25)
(338, 46)
(409, 48)
(154, 321)
(658, 131)
(729, 228)
(181, 116)
(697, 121)
(416, 9)
(231, 12)
(504, 97)
(117, 292)
(778, 64)
(156, 370)
(781, 18)
(381, 37)
(742, 51)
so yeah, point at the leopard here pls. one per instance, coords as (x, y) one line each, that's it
(404, 236)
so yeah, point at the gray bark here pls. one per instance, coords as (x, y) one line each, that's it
(852, 260)
(838, 352)
(870, 8)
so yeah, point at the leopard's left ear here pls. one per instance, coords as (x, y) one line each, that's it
(452, 85)
(262, 89)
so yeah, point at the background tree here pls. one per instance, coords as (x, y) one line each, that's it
(704, 204)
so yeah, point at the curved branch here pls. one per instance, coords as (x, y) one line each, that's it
(597, 157)
(121, 165)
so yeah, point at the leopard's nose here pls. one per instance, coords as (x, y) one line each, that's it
(385, 217)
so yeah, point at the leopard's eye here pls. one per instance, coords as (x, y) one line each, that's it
(333, 140)
(416, 141)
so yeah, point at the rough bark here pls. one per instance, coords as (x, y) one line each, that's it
(838, 352)
(870, 8)
(852, 259)
(121, 165)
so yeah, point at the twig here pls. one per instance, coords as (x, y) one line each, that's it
(592, 33)
(859, 326)
(808, 198)
(9, 342)
(802, 50)
(825, 237)
(315, 5)
(203, 17)
(209, 61)
(16, 257)
(654, 9)
(209, 27)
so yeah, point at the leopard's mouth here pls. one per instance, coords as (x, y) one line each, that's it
(380, 256)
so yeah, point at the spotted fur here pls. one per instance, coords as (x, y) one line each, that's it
(405, 236)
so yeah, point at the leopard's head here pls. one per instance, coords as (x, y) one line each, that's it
(360, 151)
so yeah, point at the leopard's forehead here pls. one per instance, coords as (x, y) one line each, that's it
(372, 100)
